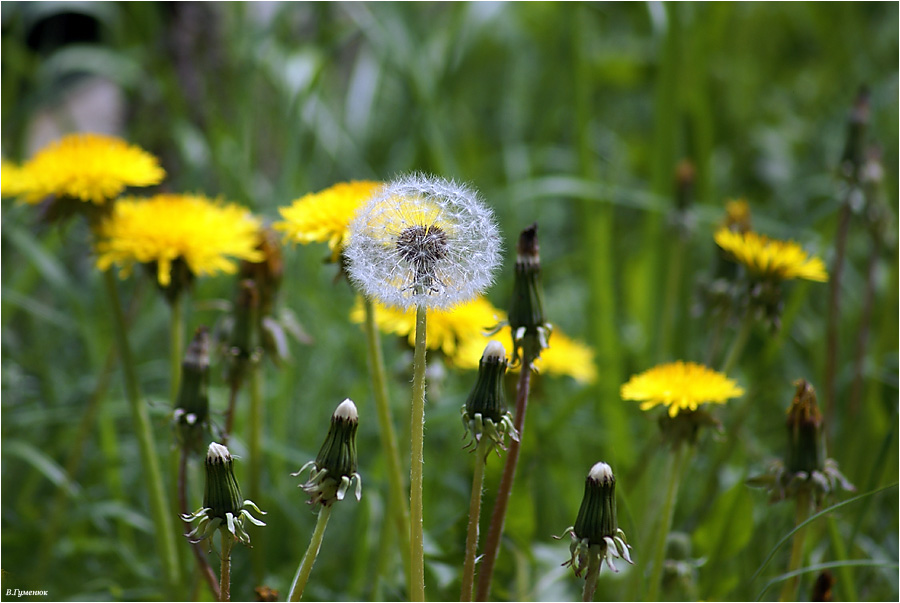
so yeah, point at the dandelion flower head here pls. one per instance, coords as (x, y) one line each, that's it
(680, 386)
(423, 241)
(771, 258)
(87, 167)
(13, 180)
(325, 216)
(208, 236)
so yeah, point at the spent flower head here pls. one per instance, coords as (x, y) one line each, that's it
(484, 413)
(178, 236)
(423, 241)
(223, 504)
(530, 334)
(806, 467)
(596, 531)
(335, 467)
(86, 167)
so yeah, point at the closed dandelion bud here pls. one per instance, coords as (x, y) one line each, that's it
(335, 467)
(267, 274)
(485, 410)
(526, 313)
(223, 505)
(192, 412)
(223, 494)
(854, 147)
(806, 445)
(243, 334)
(596, 531)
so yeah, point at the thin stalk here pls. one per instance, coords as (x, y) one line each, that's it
(397, 504)
(676, 468)
(671, 298)
(417, 438)
(176, 346)
(590, 580)
(789, 590)
(738, 344)
(234, 388)
(862, 336)
(468, 575)
(309, 558)
(845, 581)
(498, 516)
(203, 565)
(834, 310)
(225, 575)
(164, 530)
(254, 443)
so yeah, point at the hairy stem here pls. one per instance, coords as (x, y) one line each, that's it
(498, 516)
(590, 580)
(417, 437)
(309, 558)
(225, 576)
(468, 575)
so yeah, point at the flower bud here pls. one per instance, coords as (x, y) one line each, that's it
(526, 313)
(806, 445)
(485, 410)
(192, 412)
(596, 531)
(335, 467)
(854, 147)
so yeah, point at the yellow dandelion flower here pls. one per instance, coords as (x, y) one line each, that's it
(325, 216)
(737, 215)
(680, 386)
(208, 236)
(88, 167)
(771, 258)
(446, 330)
(13, 179)
(460, 334)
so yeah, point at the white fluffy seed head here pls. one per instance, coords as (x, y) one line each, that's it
(601, 472)
(346, 411)
(217, 454)
(494, 350)
(423, 240)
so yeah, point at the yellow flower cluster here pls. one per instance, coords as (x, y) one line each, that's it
(324, 217)
(207, 235)
(87, 167)
(771, 258)
(680, 386)
(460, 334)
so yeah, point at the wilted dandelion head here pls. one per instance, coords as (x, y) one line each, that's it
(423, 240)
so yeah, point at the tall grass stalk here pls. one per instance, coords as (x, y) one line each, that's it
(254, 444)
(164, 531)
(789, 589)
(679, 459)
(398, 506)
(417, 437)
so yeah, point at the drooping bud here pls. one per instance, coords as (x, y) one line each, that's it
(335, 467)
(268, 273)
(806, 444)
(192, 412)
(526, 314)
(485, 410)
(596, 530)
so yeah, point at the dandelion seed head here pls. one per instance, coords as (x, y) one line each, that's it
(423, 240)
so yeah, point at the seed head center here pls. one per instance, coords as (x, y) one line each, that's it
(422, 246)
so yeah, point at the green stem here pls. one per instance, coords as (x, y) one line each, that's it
(398, 506)
(176, 346)
(789, 590)
(834, 310)
(498, 516)
(468, 575)
(590, 580)
(309, 558)
(738, 344)
(672, 297)
(679, 456)
(254, 443)
(164, 530)
(417, 439)
(225, 576)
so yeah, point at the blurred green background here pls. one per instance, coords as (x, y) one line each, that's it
(575, 115)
